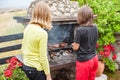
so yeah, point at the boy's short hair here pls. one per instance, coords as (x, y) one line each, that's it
(41, 15)
(85, 16)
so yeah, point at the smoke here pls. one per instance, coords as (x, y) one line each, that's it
(60, 32)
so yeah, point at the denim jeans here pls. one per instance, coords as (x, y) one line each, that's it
(33, 74)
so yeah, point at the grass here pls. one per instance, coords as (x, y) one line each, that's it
(2, 68)
(8, 25)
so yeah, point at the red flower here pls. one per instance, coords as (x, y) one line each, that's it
(8, 61)
(13, 60)
(106, 54)
(97, 45)
(101, 53)
(20, 64)
(11, 66)
(114, 56)
(112, 48)
(106, 48)
(8, 73)
(13, 63)
(109, 47)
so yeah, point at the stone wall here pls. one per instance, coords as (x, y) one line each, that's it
(64, 74)
(59, 8)
(117, 47)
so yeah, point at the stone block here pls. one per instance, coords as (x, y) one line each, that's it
(102, 77)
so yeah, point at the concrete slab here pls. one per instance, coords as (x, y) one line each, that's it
(102, 77)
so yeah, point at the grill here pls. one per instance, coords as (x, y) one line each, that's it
(60, 38)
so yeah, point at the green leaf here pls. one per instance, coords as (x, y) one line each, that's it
(110, 64)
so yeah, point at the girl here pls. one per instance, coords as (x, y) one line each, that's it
(34, 45)
(85, 45)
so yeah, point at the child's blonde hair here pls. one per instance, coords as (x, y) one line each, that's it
(42, 15)
(85, 16)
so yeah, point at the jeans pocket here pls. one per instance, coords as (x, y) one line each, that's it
(30, 72)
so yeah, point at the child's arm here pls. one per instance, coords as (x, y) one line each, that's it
(75, 46)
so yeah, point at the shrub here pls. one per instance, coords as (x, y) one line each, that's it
(13, 71)
(108, 21)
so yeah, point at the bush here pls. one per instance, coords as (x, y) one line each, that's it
(108, 21)
(13, 71)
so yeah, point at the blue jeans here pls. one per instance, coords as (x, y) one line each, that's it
(33, 74)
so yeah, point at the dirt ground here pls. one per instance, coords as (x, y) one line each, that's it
(114, 76)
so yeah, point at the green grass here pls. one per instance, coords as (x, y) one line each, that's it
(2, 68)
(113, 76)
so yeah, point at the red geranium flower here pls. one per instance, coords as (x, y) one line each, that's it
(106, 54)
(114, 56)
(101, 53)
(97, 45)
(8, 73)
(8, 61)
(112, 48)
(20, 64)
(11, 66)
(106, 48)
(13, 60)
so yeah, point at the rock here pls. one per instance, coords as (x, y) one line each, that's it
(117, 66)
(102, 77)
(118, 60)
(60, 8)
